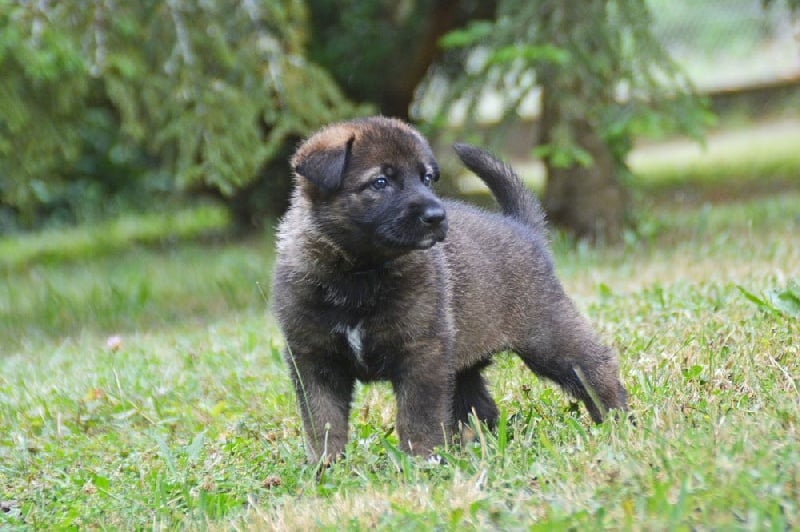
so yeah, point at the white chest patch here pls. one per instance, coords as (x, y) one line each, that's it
(355, 339)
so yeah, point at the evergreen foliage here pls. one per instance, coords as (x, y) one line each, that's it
(205, 93)
(600, 60)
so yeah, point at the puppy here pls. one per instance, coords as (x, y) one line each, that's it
(377, 278)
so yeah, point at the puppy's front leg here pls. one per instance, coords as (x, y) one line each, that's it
(424, 405)
(324, 393)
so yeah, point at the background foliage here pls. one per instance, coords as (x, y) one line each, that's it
(103, 95)
(107, 105)
(622, 78)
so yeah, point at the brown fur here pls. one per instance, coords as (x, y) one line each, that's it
(378, 279)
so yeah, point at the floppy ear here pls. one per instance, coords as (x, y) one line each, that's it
(325, 167)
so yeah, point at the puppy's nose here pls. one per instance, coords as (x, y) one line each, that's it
(432, 214)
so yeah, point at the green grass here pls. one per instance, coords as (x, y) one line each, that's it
(142, 388)
(733, 163)
(56, 245)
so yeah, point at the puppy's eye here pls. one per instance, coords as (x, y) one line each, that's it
(427, 179)
(380, 182)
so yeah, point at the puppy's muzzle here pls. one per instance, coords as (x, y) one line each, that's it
(433, 215)
(433, 221)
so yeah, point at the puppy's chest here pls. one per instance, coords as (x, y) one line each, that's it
(359, 292)
(369, 320)
(368, 352)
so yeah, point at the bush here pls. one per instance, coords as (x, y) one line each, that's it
(96, 100)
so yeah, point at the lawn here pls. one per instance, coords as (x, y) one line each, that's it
(142, 387)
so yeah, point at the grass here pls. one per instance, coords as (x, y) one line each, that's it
(55, 245)
(735, 162)
(143, 388)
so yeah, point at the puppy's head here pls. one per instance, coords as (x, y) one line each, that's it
(368, 183)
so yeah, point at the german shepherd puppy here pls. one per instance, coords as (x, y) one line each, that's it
(379, 279)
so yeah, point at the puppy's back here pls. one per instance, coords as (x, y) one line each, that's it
(500, 271)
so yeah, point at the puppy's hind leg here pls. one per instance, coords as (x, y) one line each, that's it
(572, 357)
(472, 397)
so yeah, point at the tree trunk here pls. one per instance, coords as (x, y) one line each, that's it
(382, 60)
(587, 200)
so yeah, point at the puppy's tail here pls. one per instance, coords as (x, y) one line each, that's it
(515, 200)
